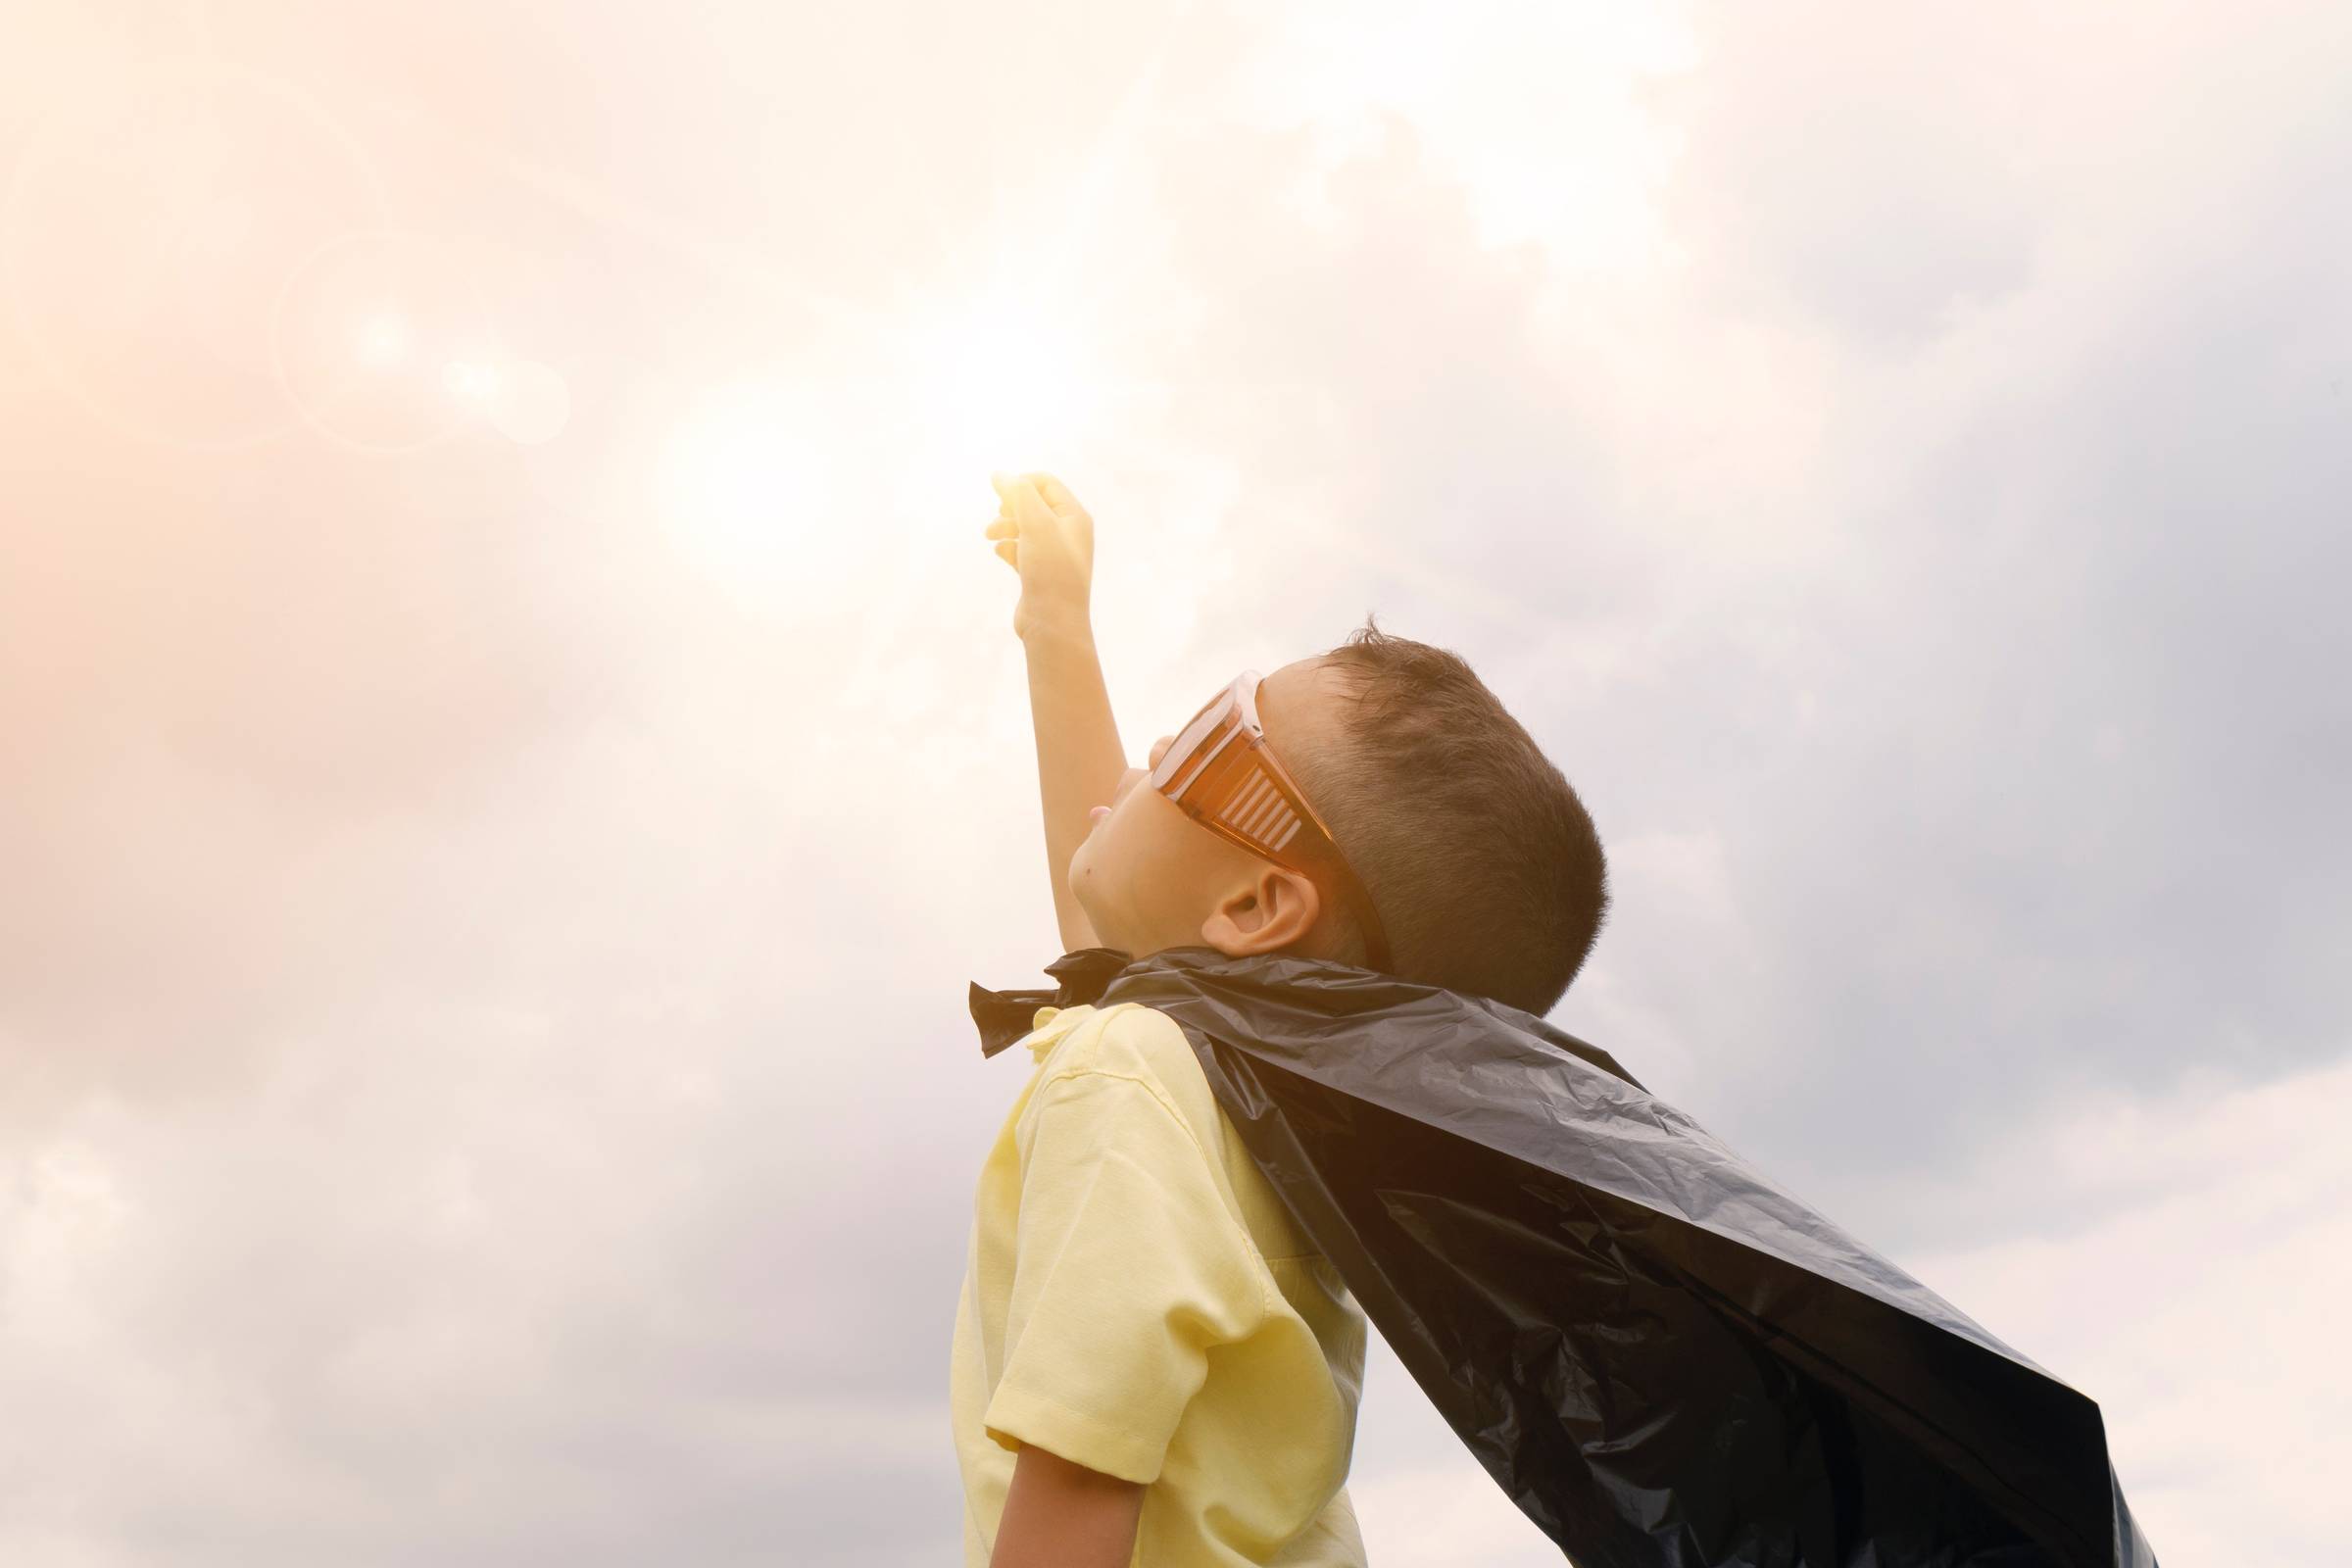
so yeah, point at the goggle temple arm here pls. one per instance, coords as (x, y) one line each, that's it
(1246, 795)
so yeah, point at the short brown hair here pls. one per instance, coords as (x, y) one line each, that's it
(1481, 861)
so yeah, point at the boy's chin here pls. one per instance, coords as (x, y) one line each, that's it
(1106, 933)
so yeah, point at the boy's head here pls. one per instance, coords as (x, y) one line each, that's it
(1482, 864)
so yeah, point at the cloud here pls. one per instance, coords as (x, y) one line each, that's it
(2181, 1261)
(1972, 599)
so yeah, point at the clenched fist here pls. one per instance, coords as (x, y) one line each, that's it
(1044, 534)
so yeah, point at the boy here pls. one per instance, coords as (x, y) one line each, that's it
(1150, 1364)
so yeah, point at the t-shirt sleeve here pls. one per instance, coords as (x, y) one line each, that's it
(1127, 1268)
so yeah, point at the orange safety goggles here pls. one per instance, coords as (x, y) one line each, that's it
(1221, 772)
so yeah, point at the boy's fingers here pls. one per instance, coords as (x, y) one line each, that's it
(1011, 488)
(1054, 493)
(1004, 552)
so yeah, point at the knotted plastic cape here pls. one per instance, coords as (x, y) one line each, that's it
(1660, 1357)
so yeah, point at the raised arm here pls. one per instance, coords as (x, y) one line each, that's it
(1049, 540)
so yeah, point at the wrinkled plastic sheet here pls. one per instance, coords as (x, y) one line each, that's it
(1659, 1355)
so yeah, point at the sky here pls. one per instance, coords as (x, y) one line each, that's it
(516, 748)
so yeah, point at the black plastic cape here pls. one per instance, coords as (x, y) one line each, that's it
(1660, 1357)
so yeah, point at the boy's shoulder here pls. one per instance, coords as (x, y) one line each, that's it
(1129, 1040)
(1126, 1038)
(1133, 1041)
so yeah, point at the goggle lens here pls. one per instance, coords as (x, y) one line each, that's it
(1205, 725)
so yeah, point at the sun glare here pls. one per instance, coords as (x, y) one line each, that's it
(882, 441)
(1000, 385)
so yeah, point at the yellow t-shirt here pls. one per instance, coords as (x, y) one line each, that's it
(1137, 1301)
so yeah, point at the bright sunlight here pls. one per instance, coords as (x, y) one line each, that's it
(900, 442)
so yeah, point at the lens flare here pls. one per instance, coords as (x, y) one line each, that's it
(532, 402)
(383, 342)
(472, 382)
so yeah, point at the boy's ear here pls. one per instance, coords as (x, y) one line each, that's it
(1276, 910)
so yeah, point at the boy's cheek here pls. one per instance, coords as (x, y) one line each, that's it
(1096, 854)
(1107, 856)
